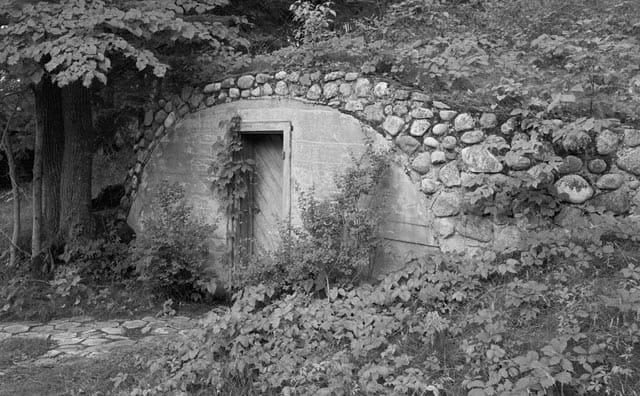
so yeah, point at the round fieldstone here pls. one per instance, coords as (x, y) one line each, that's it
(335, 75)
(429, 186)
(440, 105)
(445, 226)
(446, 204)
(570, 164)
(421, 163)
(160, 116)
(449, 142)
(195, 100)
(617, 201)
(420, 97)
(449, 175)
(315, 92)
(475, 227)
(374, 113)
(330, 90)
(148, 118)
(419, 127)
(282, 88)
(211, 88)
(507, 239)
(606, 142)
(447, 115)
(245, 82)
(234, 93)
(293, 77)
(393, 125)
(401, 94)
(345, 89)
(431, 142)
(381, 89)
(597, 166)
(611, 181)
(631, 137)
(463, 122)
(479, 160)
(262, 78)
(407, 143)
(421, 112)
(400, 109)
(228, 82)
(472, 137)
(516, 161)
(509, 126)
(353, 105)
(576, 142)
(440, 129)
(574, 189)
(352, 76)
(488, 120)
(438, 157)
(305, 79)
(266, 90)
(544, 150)
(362, 87)
(629, 160)
(569, 217)
(171, 118)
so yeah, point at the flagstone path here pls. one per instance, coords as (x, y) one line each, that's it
(85, 337)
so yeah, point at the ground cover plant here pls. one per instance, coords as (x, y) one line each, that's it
(559, 317)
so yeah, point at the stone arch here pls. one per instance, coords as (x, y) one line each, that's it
(437, 148)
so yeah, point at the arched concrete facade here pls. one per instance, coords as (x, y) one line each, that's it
(322, 141)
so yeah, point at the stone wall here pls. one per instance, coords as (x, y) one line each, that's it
(438, 146)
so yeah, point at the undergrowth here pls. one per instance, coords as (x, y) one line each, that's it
(560, 317)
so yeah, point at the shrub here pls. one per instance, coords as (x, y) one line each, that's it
(172, 256)
(338, 237)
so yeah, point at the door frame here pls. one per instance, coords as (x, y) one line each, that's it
(273, 128)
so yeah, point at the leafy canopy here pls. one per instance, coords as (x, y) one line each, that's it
(76, 40)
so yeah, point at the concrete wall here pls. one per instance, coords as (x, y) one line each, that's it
(324, 143)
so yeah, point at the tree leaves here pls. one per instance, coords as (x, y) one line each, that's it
(74, 39)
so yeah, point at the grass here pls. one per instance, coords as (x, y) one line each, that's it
(19, 349)
(80, 376)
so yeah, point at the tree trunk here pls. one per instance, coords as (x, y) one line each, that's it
(49, 109)
(6, 145)
(36, 186)
(75, 187)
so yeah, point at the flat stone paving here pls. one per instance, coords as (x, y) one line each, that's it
(85, 337)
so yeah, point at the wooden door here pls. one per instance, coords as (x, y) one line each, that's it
(262, 211)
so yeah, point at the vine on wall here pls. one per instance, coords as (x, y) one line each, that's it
(231, 177)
